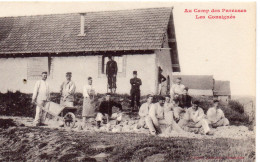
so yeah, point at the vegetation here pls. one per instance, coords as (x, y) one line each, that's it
(19, 104)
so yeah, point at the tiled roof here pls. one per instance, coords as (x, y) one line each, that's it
(139, 29)
(201, 82)
(222, 88)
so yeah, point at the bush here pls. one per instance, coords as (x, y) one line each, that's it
(237, 106)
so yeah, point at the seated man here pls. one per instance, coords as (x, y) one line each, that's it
(185, 99)
(195, 118)
(144, 112)
(178, 112)
(216, 117)
(105, 111)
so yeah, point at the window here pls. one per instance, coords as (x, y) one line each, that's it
(121, 65)
(36, 65)
(117, 59)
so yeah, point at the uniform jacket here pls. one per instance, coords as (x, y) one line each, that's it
(67, 90)
(111, 67)
(106, 107)
(185, 101)
(135, 83)
(41, 91)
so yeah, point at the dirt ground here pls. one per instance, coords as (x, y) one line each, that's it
(21, 141)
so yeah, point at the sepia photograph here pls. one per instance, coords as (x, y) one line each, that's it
(128, 81)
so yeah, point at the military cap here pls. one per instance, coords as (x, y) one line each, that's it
(134, 72)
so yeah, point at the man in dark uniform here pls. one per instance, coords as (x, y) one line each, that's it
(111, 72)
(135, 90)
(185, 99)
(161, 79)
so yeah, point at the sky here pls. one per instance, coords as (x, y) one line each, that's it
(222, 48)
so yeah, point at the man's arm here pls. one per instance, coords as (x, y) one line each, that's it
(85, 92)
(116, 68)
(35, 91)
(107, 66)
(141, 112)
(200, 115)
(118, 105)
(102, 108)
(152, 111)
(61, 88)
(72, 88)
(140, 82)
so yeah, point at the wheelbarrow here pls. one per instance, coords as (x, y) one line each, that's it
(62, 113)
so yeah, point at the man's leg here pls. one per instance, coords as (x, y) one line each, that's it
(138, 99)
(170, 121)
(140, 123)
(114, 84)
(156, 124)
(109, 82)
(221, 122)
(99, 118)
(150, 125)
(37, 115)
(132, 100)
(117, 116)
(204, 124)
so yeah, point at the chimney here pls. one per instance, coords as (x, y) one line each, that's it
(82, 24)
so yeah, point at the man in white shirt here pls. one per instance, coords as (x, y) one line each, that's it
(195, 118)
(216, 117)
(144, 113)
(41, 95)
(177, 89)
(67, 90)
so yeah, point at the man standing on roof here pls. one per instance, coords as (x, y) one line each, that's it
(111, 72)
(41, 95)
(177, 89)
(135, 90)
(67, 90)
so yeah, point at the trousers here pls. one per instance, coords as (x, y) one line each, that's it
(186, 124)
(40, 115)
(135, 97)
(111, 79)
(114, 116)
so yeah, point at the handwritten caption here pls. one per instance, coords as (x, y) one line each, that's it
(215, 14)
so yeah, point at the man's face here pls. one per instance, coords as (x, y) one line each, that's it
(195, 106)
(90, 81)
(150, 99)
(108, 97)
(68, 77)
(216, 104)
(178, 81)
(135, 76)
(185, 92)
(161, 102)
(44, 76)
(167, 99)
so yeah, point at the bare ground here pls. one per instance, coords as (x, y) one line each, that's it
(20, 141)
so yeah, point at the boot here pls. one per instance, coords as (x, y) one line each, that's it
(98, 124)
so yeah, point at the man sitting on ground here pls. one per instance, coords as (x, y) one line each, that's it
(144, 112)
(105, 111)
(195, 118)
(216, 117)
(185, 99)
(178, 112)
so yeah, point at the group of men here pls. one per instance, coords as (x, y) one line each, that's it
(177, 111)
(169, 113)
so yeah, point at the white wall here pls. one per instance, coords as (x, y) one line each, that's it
(163, 58)
(14, 70)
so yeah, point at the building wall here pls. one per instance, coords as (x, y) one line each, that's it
(163, 59)
(223, 98)
(198, 92)
(14, 71)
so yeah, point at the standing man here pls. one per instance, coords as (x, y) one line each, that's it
(111, 72)
(88, 109)
(105, 111)
(195, 118)
(161, 79)
(135, 91)
(67, 90)
(176, 89)
(185, 99)
(41, 95)
(216, 117)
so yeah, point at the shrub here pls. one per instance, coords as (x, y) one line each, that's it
(237, 106)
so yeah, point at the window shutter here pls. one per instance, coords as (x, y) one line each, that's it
(35, 67)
